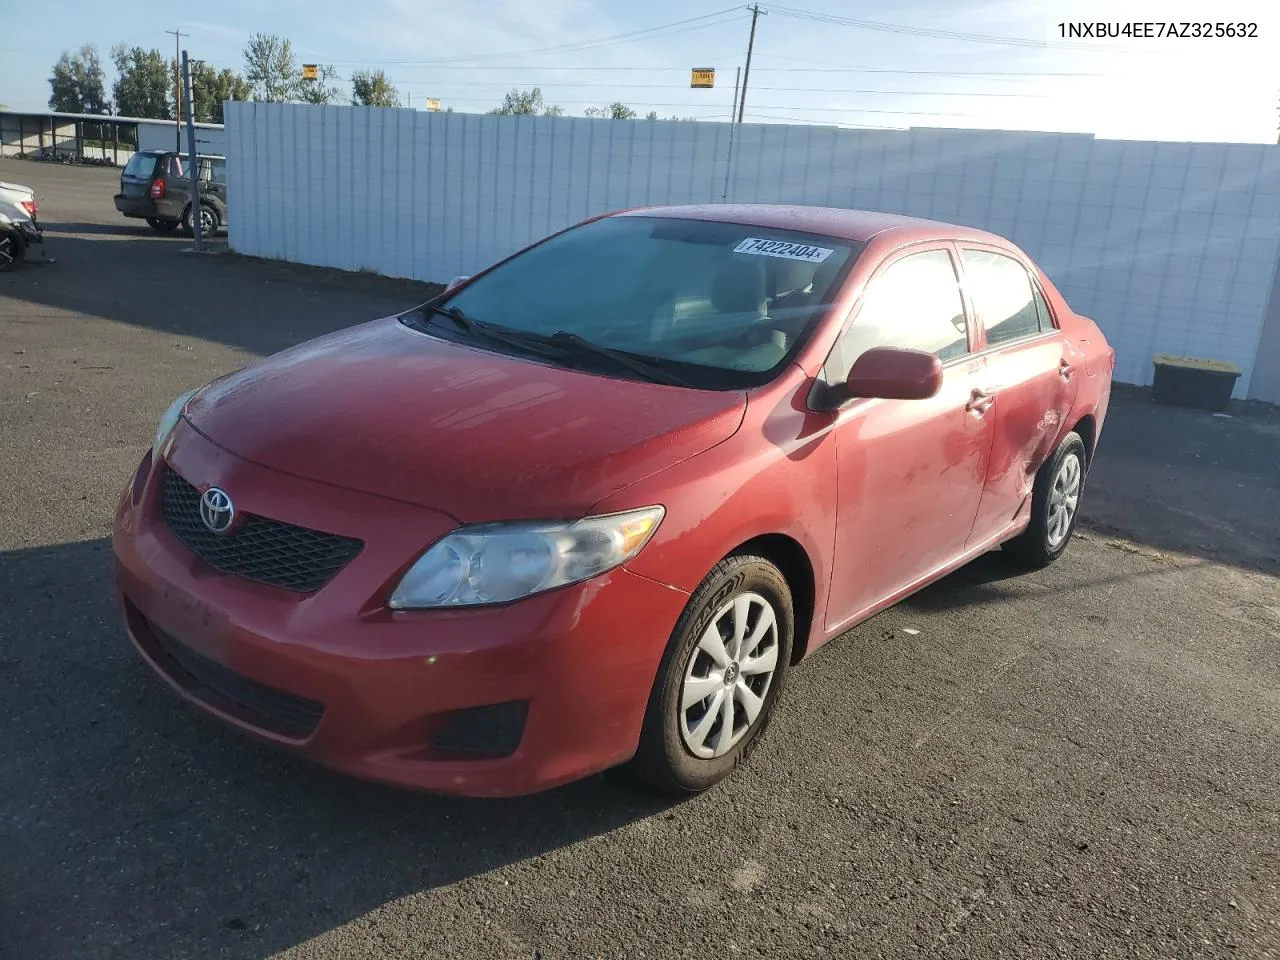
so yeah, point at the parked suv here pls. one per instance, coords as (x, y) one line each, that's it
(155, 186)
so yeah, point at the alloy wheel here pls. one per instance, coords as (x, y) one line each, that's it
(1063, 499)
(8, 251)
(728, 675)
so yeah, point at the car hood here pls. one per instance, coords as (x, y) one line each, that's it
(390, 411)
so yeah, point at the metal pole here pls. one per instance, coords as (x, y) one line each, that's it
(737, 79)
(192, 164)
(746, 73)
(177, 90)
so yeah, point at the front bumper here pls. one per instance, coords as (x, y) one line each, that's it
(336, 676)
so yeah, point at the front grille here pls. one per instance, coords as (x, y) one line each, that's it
(267, 708)
(268, 551)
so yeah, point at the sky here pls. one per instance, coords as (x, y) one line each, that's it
(993, 64)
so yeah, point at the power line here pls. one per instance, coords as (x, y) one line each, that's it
(984, 74)
(767, 106)
(649, 33)
(911, 93)
(719, 58)
(545, 85)
(922, 31)
(824, 123)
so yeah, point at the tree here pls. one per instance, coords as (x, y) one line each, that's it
(651, 115)
(320, 90)
(78, 85)
(373, 89)
(274, 77)
(614, 111)
(210, 87)
(270, 69)
(144, 83)
(526, 103)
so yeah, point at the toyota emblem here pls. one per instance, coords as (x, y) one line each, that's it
(217, 510)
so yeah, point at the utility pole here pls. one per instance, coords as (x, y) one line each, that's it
(746, 73)
(177, 88)
(193, 165)
(733, 127)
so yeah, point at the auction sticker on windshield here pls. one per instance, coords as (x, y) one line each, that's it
(783, 248)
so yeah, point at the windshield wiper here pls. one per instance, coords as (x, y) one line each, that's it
(495, 334)
(650, 368)
(561, 345)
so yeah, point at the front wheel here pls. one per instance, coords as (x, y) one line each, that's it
(13, 250)
(719, 678)
(1055, 504)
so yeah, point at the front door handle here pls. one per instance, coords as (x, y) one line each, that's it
(980, 401)
(1065, 369)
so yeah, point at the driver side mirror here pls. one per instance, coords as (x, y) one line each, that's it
(456, 281)
(890, 373)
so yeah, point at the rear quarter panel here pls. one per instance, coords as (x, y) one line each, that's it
(1098, 358)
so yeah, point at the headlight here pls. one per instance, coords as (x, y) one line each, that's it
(499, 562)
(169, 420)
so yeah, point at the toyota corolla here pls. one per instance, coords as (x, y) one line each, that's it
(588, 507)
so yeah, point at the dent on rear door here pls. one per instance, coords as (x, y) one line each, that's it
(1033, 397)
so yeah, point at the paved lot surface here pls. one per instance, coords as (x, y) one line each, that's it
(1078, 763)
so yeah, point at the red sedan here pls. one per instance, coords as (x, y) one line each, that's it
(587, 507)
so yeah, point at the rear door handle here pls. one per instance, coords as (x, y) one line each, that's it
(980, 401)
(1065, 369)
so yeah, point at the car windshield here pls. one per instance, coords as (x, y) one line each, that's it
(714, 305)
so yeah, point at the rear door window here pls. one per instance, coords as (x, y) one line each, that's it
(176, 167)
(1003, 296)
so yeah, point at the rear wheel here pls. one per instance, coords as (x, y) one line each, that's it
(209, 220)
(719, 678)
(162, 226)
(1055, 504)
(13, 250)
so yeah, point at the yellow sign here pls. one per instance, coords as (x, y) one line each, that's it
(433, 103)
(702, 77)
(310, 71)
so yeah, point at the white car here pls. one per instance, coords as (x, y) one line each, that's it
(18, 226)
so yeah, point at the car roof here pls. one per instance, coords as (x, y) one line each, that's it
(855, 225)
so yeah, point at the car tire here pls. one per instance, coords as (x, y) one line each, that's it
(162, 226)
(13, 249)
(210, 221)
(683, 746)
(1055, 505)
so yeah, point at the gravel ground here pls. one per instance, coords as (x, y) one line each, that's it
(1077, 763)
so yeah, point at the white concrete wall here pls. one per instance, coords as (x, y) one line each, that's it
(1171, 247)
